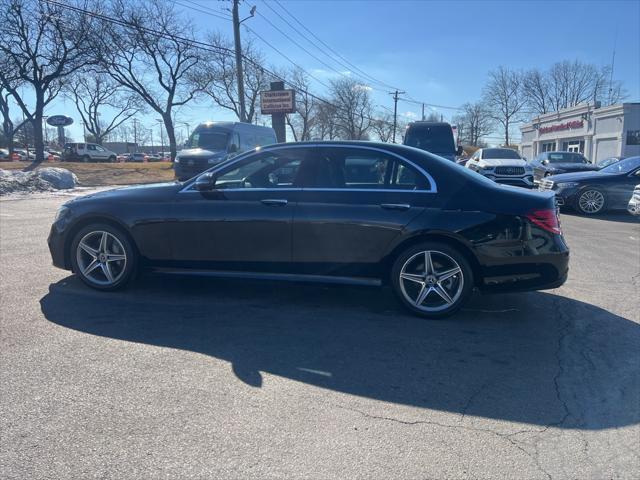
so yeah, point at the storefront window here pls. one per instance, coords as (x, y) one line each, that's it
(633, 137)
(549, 146)
(575, 146)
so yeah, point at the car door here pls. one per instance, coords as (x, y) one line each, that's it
(245, 222)
(621, 188)
(355, 203)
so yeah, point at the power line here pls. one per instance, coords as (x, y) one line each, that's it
(207, 47)
(343, 62)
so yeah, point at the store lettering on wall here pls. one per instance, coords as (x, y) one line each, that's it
(562, 126)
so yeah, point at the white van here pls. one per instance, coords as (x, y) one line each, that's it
(214, 142)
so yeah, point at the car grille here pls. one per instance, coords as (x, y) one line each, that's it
(546, 184)
(509, 170)
(196, 163)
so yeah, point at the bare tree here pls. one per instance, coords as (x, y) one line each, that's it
(477, 121)
(41, 44)
(536, 89)
(504, 98)
(353, 108)
(325, 122)
(302, 122)
(567, 84)
(216, 76)
(382, 127)
(432, 117)
(92, 92)
(9, 128)
(145, 55)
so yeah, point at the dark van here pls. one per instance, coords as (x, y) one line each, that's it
(214, 142)
(433, 137)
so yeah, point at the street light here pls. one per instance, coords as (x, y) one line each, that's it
(160, 122)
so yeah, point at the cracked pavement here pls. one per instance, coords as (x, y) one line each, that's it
(200, 378)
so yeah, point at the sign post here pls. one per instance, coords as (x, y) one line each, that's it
(278, 102)
(60, 121)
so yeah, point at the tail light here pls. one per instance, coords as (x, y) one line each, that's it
(546, 219)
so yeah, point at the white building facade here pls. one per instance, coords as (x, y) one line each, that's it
(597, 133)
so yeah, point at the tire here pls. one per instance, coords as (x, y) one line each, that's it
(93, 263)
(409, 281)
(591, 201)
(86, 158)
(112, 159)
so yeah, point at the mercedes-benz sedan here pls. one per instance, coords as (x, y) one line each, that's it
(347, 212)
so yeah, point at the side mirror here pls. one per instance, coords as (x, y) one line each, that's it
(545, 162)
(205, 182)
(233, 148)
(459, 151)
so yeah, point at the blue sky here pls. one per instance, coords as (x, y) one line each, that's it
(439, 52)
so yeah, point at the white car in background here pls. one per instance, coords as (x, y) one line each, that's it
(502, 165)
(634, 203)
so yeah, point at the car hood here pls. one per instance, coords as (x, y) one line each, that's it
(148, 192)
(578, 176)
(501, 162)
(572, 167)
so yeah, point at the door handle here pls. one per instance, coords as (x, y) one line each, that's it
(395, 206)
(275, 202)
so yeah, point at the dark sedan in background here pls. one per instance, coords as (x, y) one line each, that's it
(553, 163)
(354, 212)
(590, 193)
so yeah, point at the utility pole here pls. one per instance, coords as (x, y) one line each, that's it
(423, 112)
(395, 111)
(239, 74)
(135, 133)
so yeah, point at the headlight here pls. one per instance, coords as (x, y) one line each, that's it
(177, 159)
(61, 213)
(487, 169)
(567, 185)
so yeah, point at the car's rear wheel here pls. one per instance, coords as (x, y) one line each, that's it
(86, 158)
(432, 279)
(103, 257)
(591, 201)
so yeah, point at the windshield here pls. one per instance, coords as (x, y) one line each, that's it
(623, 166)
(565, 157)
(435, 139)
(209, 139)
(500, 153)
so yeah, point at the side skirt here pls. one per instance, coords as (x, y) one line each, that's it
(287, 277)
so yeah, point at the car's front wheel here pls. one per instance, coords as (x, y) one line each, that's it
(432, 279)
(590, 201)
(103, 257)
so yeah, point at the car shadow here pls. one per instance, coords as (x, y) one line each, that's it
(535, 358)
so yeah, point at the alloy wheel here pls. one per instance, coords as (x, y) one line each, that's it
(591, 201)
(101, 258)
(431, 281)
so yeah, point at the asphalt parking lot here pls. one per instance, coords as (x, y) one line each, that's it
(200, 378)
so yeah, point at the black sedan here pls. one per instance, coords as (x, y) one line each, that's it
(346, 212)
(590, 193)
(553, 163)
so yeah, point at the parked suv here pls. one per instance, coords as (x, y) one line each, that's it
(433, 137)
(87, 152)
(502, 165)
(213, 142)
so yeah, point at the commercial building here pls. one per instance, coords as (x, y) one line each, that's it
(596, 132)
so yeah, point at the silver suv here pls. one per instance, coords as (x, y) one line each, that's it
(87, 152)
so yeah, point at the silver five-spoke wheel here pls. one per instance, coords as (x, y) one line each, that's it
(431, 281)
(101, 258)
(591, 201)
